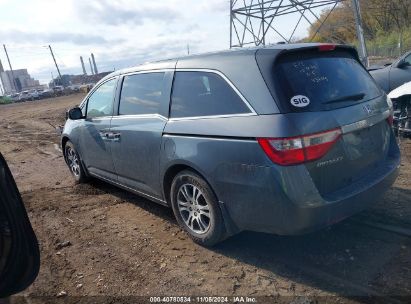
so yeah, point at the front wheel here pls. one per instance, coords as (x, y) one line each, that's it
(74, 163)
(196, 209)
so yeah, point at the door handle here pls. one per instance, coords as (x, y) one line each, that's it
(105, 135)
(115, 136)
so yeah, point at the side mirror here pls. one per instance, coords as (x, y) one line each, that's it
(403, 64)
(19, 251)
(75, 113)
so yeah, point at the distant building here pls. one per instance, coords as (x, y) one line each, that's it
(22, 81)
(68, 80)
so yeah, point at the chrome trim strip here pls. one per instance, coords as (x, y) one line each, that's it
(212, 116)
(147, 71)
(126, 187)
(209, 137)
(227, 80)
(130, 116)
(251, 113)
(98, 118)
(365, 123)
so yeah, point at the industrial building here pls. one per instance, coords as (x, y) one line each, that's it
(22, 80)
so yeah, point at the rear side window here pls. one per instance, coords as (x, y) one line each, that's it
(204, 94)
(141, 94)
(407, 60)
(317, 81)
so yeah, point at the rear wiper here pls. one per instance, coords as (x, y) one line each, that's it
(354, 97)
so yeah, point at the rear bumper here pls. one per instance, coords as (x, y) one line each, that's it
(305, 219)
(294, 209)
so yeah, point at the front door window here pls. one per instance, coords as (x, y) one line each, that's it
(100, 103)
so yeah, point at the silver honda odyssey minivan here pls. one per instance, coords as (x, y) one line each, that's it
(284, 139)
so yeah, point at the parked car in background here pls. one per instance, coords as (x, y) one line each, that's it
(285, 139)
(39, 91)
(58, 90)
(14, 97)
(401, 98)
(393, 75)
(47, 93)
(24, 96)
(75, 88)
(34, 95)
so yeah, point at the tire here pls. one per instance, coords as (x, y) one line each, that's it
(74, 163)
(201, 218)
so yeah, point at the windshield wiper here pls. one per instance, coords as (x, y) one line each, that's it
(354, 97)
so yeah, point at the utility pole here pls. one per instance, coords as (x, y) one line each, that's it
(55, 62)
(400, 43)
(82, 65)
(94, 64)
(13, 82)
(91, 66)
(1, 79)
(2, 92)
(360, 32)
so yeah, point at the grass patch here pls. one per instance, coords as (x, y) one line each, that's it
(5, 100)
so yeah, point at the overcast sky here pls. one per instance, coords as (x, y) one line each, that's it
(119, 33)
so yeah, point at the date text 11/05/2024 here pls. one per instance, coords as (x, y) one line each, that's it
(203, 299)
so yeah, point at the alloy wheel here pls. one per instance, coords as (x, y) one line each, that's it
(193, 208)
(73, 161)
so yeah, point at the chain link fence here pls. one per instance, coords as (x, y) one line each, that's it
(390, 50)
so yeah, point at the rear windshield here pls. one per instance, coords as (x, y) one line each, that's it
(318, 81)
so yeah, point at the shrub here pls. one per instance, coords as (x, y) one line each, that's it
(5, 100)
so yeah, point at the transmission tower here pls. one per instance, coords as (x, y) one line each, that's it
(260, 22)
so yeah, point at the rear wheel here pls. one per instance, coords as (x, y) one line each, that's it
(196, 209)
(74, 163)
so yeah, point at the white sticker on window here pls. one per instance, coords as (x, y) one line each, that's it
(300, 101)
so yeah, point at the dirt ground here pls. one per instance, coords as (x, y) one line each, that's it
(124, 246)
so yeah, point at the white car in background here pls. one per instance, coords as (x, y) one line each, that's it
(401, 98)
(24, 96)
(34, 95)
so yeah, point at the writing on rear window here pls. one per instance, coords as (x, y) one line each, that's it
(300, 101)
(311, 71)
(312, 81)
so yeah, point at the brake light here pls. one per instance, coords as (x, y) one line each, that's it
(390, 120)
(300, 149)
(326, 47)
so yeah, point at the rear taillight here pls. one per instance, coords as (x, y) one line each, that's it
(300, 149)
(390, 120)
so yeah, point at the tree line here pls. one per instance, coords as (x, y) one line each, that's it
(386, 23)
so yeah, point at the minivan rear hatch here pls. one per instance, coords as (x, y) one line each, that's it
(313, 79)
(322, 89)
